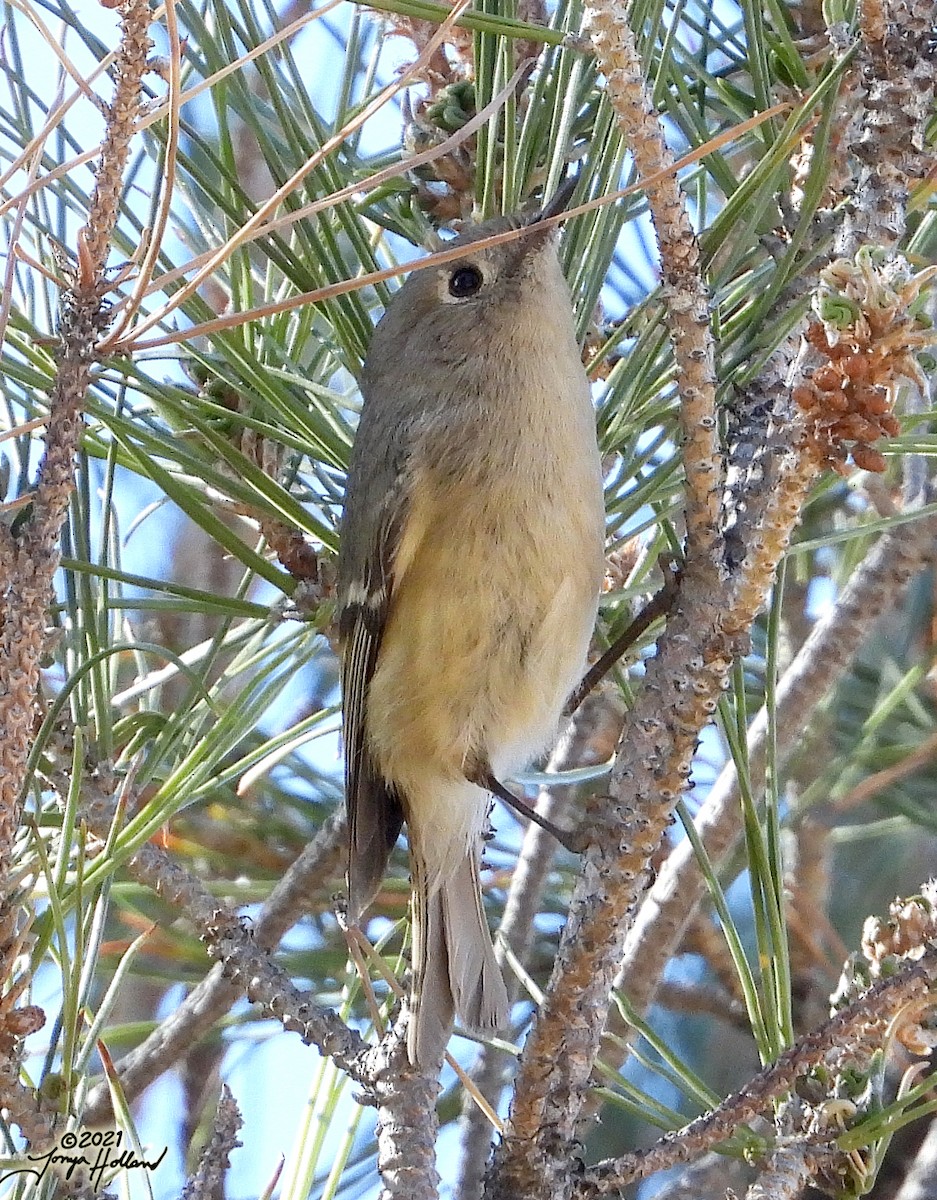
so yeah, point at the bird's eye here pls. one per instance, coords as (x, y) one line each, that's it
(465, 281)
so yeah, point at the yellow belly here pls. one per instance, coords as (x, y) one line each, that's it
(490, 620)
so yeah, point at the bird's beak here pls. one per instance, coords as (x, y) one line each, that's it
(557, 202)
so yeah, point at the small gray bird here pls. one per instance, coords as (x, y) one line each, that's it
(472, 551)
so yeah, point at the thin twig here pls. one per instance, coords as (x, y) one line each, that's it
(872, 589)
(406, 1124)
(317, 295)
(29, 560)
(681, 687)
(894, 75)
(273, 202)
(154, 244)
(152, 116)
(852, 1026)
(880, 780)
(589, 738)
(787, 1173)
(208, 1181)
(208, 1002)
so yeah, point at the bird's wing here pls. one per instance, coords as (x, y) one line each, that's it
(374, 810)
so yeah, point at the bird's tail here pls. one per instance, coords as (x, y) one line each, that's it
(455, 972)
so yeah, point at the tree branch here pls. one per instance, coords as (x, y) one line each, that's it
(28, 562)
(860, 1024)
(590, 738)
(209, 1000)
